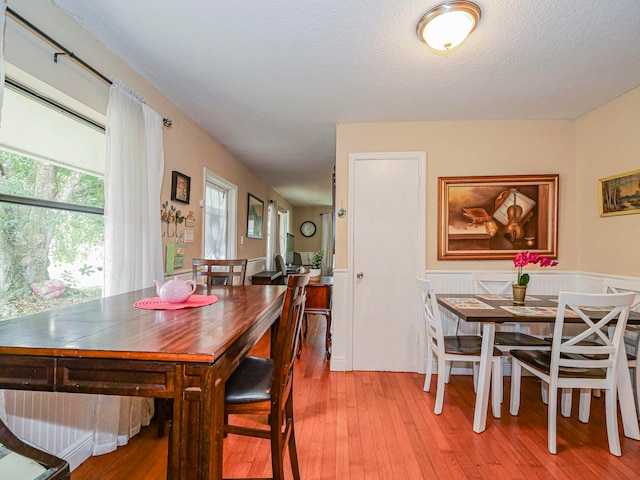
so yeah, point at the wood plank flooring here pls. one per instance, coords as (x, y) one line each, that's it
(376, 425)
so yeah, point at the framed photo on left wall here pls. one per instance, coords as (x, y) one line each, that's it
(255, 214)
(180, 187)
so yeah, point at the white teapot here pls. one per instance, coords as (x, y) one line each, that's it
(176, 290)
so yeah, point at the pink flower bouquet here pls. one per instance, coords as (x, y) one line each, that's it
(525, 258)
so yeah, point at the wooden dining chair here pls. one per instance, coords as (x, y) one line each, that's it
(220, 272)
(448, 349)
(215, 272)
(264, 386)
(20, 460)
(574, 364)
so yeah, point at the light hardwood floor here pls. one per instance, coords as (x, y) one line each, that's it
(373, 425)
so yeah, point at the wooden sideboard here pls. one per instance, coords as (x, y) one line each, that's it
(319, 295)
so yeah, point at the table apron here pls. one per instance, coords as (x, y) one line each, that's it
(88, 375)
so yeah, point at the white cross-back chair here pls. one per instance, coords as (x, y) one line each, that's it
(447, 349)
(572, 364)
(632, 333)
(631, 341)
(500, 284)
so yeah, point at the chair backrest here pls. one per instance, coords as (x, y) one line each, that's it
(431, 316)
(567, 352)
(297, 259)
(493, 282)
(28, 462)
(289, 327)
(220, 272)
(618, 285)
(280, 265)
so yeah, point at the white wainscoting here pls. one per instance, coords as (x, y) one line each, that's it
(543, 282)
(61, 423)
(255, 265)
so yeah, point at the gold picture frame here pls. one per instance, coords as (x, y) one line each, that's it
(494, 217)
(619, 194)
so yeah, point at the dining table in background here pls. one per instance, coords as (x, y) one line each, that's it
(491, 309)
(110, 347)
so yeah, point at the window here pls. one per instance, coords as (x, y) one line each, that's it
(283, 227)
(216, 222)
(219, 218)
(51, 204)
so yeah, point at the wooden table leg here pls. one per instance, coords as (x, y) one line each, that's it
(195, 449)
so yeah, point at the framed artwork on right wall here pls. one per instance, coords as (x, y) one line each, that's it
(619, 194)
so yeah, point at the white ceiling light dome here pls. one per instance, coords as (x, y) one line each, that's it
(447, 25)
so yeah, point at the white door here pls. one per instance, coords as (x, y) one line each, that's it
(387, 254)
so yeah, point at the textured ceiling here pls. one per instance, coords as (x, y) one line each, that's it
(271, 79)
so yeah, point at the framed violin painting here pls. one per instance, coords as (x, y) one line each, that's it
(494, 217)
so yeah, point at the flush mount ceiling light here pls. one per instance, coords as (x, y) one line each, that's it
(447, 25)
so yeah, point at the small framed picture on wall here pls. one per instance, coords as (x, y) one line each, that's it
(180, 187)
(255, 214)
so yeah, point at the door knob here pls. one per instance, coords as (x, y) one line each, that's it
(360, 275)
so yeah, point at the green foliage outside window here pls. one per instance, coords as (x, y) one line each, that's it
(34, 239)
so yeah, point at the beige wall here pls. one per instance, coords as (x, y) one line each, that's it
(608, 143)
(468, 148)
(301, 215)
(187, 147)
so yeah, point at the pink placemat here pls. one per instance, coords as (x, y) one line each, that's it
(156, 303)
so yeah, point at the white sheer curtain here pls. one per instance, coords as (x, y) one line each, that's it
(273, 248)
(327, 244)
(215, 243)
(3, 9)
(133, 243)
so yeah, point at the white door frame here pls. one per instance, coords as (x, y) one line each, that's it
(422, 225)
(232, 207)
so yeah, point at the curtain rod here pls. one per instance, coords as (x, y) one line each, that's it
(65, 51)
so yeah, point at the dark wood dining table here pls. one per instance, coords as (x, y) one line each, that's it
(110, 347)
(490, 309)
